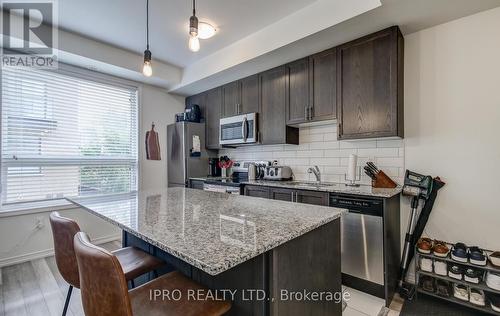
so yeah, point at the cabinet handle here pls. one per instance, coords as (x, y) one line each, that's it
(306, 109)
(310, 113)
(292, 196)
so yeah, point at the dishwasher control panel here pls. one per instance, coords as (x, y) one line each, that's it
(358, 205)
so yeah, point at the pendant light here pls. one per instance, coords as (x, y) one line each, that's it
(147, 70)
(194, 42)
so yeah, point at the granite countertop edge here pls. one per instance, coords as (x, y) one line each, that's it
(338, 188)
(215, 269)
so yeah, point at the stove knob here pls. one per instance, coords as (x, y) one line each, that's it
(272, 173)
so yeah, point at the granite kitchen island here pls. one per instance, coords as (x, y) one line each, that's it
(270, 257)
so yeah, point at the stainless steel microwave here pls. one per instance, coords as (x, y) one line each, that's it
(240, 129)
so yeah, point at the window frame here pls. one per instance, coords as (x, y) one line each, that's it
(94, 76)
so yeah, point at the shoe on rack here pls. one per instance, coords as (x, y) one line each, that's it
(477, 297)
(443, 288)
(494, 301)
(459, 252)
(440, 249)
(495, 258)
(440, 267)
(473, 275)
(493, 280)
(460, 291)
(424, 245)
(427, 284)
(455, 271)
(477, 256)
(426, 264)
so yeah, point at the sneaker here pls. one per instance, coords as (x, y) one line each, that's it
(455, 271)
(440, 249)
(424, 245)
(443, 288)
(495, 258)
(427, 283)
(494, 301)
(477, 297)
(440, 267)
(493, 280)
(460, 292)
(426, 264)
(473, 275)
(459, 252)
(477, 256)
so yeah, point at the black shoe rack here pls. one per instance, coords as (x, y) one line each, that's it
(481, 285)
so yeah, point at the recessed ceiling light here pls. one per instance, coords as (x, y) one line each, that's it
(205, 30)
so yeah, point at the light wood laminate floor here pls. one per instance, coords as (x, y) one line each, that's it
(37, 288)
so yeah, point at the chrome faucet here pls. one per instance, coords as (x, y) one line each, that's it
(316, 172)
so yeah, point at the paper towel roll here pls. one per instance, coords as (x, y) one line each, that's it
(351, 168)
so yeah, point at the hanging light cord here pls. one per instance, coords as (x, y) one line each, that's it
(147, 24)
(194, 8)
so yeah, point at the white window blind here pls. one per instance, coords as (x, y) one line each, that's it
(66, 134)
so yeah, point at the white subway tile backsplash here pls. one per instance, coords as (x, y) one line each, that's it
(325, 161)
(330, 137)
(319, 146)
(311, 153)
(358, 144)
(340, 152)
(325, 145)
(378, 152)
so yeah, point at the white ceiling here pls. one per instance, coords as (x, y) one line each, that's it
(122, 23)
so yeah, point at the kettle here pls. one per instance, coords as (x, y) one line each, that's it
(252, 172)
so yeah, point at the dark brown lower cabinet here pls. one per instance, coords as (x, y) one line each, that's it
(311, 197)
(196, 184)
(282, 194)
(257, 191)
(299, 196)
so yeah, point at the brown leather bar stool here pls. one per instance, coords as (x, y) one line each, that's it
(133, 261)
(104, 288)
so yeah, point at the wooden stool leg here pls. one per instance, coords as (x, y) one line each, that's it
(66, 304)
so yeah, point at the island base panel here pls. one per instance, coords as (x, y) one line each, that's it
(308, 263)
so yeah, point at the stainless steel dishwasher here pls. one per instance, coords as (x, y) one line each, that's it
(362, 244)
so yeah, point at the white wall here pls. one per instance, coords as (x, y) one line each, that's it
(452, 124)
(21, 241)
(319, 146)
(159, 107)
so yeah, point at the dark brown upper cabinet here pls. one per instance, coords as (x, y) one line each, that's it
(298, 92)
(231, 96)
(370, 86)
(323, 85)
(240, 96)
(250, 95)
(213, 106)
(274, 101)
(312, 91)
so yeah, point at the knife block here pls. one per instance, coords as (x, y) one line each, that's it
(383, 181)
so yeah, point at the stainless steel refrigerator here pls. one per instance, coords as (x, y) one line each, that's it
(187, 156)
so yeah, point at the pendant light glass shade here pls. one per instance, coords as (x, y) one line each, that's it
(194, 43)
(147, 69)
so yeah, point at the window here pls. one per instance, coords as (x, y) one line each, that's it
(66, 133)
